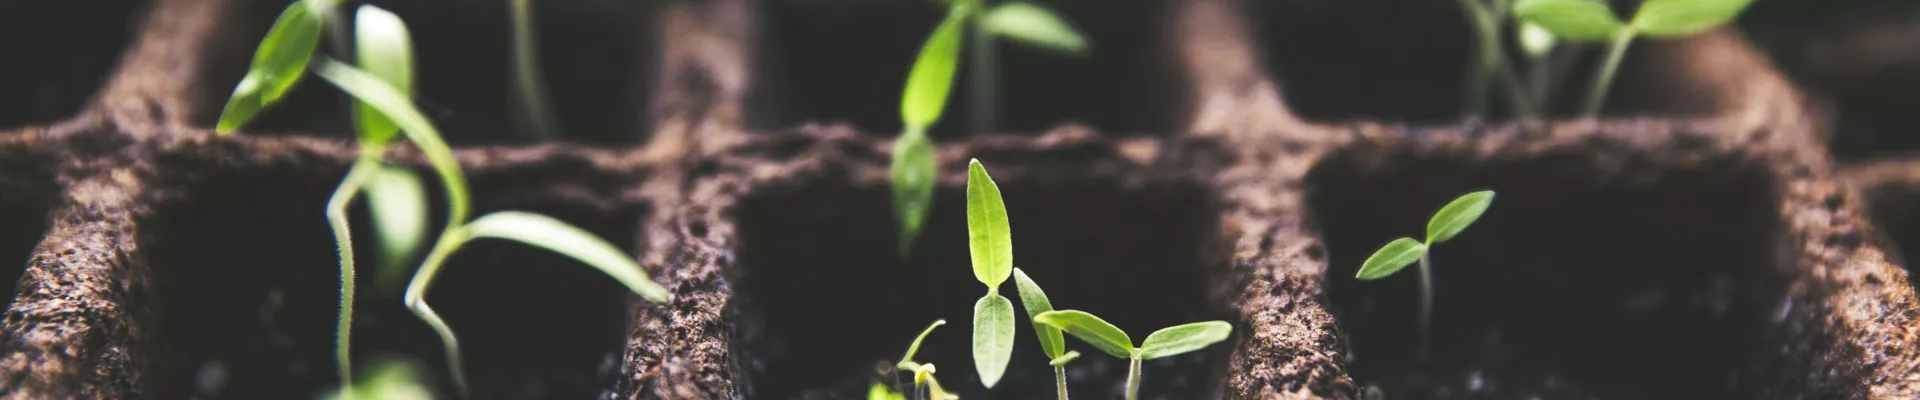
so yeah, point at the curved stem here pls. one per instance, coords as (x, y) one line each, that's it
(1426, 302)
(1133, 378)
(1060, 376)
(343, 239)
(1597, 95)
(526, 69)
(416, 302)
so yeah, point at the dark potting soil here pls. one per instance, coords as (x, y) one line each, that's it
(1578, 283)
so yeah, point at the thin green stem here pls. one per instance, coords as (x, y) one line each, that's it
(538, 112)
(985, 96)
(1491, 66)
(1133, 378)
(1597, 95)
(416, 302)
(1426, 302)
(357, 176)
(1060, 377)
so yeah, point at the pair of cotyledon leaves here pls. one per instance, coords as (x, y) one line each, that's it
(931, 80)
(990, 243)
(1445, 224)
(1592, 20)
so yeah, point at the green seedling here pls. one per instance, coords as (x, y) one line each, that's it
(1490, 66)
(1445, 224)
(1111, 340)
(1593, 21)
(923, 379)
(383, 114)
(1052, 342)
(931, 81)
(991, 246)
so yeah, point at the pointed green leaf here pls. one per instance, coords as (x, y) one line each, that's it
(1457, 215)
(932, 75)
(1391, 258)
(992, 337)
(398, 107)
(386, 51)
(1573, 20)
(988, 238)
(1032, 24)
(1184, 338)
(398, 202)
(915, 347)
(1090, 329)
(1063, 359)
(1668, 18)
(278, 63)
(1035, 302)
(552, 234)
(914, 172)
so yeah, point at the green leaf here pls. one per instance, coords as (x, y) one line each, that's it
(1668, 18)
(398, 202)
(992, 337)
(1457, 215)
(932, 75)
(1391, 258)
(1035, 302)
(914, 172)
(915, 347)
(386, 51)
(552, 234)
(1573, 20)
(277, 65)
(1063, 359)
(988, 238)
(1184, 338)
(1032, 24)
(397, 106)
(1091, 329)
(1535, 40)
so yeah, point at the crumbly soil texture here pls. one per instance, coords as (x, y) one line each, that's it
(1209, 160)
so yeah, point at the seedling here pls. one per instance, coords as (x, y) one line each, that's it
(1111, 340)
(930, 81)
(991, 245)
(923, 380)
(1593, 21)
(1490, 64)
(1445, 224)
(384, 113)
(1052, 343)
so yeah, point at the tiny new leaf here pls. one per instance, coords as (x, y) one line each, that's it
(913, 176)
(1573, 20)
(1457, 215)
(1063, 359)
(1091, 329)
(1032, 24)
(552, 234)
(915, 347)
(1668, 18)
(992, 337)
(277, 65)
(398, 202)
(1035, 302)
(1184, 338)
(988, 239)
(1391, 258)
(932, 76)
(385, 50)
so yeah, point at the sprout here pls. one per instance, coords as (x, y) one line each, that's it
(1111, 340)
(991, 245)
(1445, 224)
(1593, 21)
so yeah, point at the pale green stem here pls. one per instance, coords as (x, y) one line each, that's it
(1060, 376)
(1491, 62)
(984, 84)
(1597, 95)
(343, 239)
(416, 302)
(1133, 378)
(536, 110)
(1426, 302)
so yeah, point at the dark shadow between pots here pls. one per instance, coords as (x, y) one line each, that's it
(23, 224)
(847, 61)
(597, 58)
(1584, 279)
(824, 296)
(249, 289)
(60, 52)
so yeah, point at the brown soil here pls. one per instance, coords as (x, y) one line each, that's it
(1700, 243)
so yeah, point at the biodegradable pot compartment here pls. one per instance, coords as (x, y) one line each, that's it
(1211, 159)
